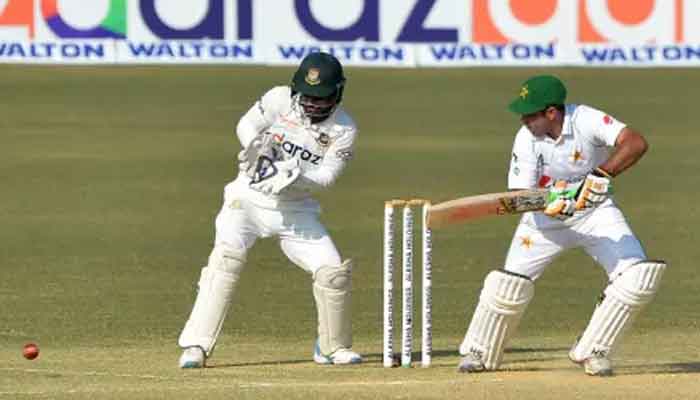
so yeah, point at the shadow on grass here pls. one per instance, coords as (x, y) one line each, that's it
(659, 368)
(535, 349)
(259, 363)
(621, 370)
(437, 354)
(374, 358)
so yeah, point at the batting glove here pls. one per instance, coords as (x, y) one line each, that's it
(561, 201)
(594, 190)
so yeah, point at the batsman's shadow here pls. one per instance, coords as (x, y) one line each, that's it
(444, 353)
(516, 350)
(621, 369)
(416, 355)
(259, 363)
(658, 368)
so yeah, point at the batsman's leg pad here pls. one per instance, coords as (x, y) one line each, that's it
(502, 302)
(332, 285)
(216, 287)
(622, 300)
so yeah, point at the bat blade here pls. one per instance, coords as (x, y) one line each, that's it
(469, 208)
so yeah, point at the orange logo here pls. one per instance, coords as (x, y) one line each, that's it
(17, 13)
(498, 21)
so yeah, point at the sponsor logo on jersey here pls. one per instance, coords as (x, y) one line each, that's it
(607, 120)
(544, 181)
(278, 137)
(295, 150)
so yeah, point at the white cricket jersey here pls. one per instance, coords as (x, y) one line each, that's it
(323, 149)
(587, 137)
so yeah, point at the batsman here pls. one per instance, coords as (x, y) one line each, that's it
(296, 140)
(576, 151)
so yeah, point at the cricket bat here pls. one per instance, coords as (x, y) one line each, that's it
(469, 208)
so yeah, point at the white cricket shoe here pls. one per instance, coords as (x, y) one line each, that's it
(595, 365)
(471, 363)
(193, 357)
(341, 356)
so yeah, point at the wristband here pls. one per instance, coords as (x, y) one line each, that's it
(601, 173)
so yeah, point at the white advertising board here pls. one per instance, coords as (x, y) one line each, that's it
(411, 33)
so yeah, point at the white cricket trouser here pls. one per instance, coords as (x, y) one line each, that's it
(604, 235)
(303, 239)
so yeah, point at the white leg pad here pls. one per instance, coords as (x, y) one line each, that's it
(622, 300)
(502, 302)
(215, 290)
(332, 286)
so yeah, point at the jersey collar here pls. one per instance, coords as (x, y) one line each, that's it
(567, 127)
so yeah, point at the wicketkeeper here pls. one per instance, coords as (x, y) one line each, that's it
(576, 151)
(296, 140)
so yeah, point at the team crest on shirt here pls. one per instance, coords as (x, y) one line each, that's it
(576, 157)
(323, 139)
(313, 76)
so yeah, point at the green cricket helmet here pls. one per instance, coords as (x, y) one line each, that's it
(318, 84)
(538, 93)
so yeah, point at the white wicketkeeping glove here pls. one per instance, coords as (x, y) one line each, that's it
(245, 164)
(561, 201)
(275, 176)
(594, 190)
(262, 145)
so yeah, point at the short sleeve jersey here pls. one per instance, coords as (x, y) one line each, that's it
(587, 137)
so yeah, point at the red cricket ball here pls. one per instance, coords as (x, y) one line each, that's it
(30, 351)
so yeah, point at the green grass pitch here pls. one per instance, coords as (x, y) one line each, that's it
(111, 178)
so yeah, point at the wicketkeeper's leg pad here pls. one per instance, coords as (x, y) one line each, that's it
(331, 287)
(502, 302)
(217, 284)
(622, 300)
